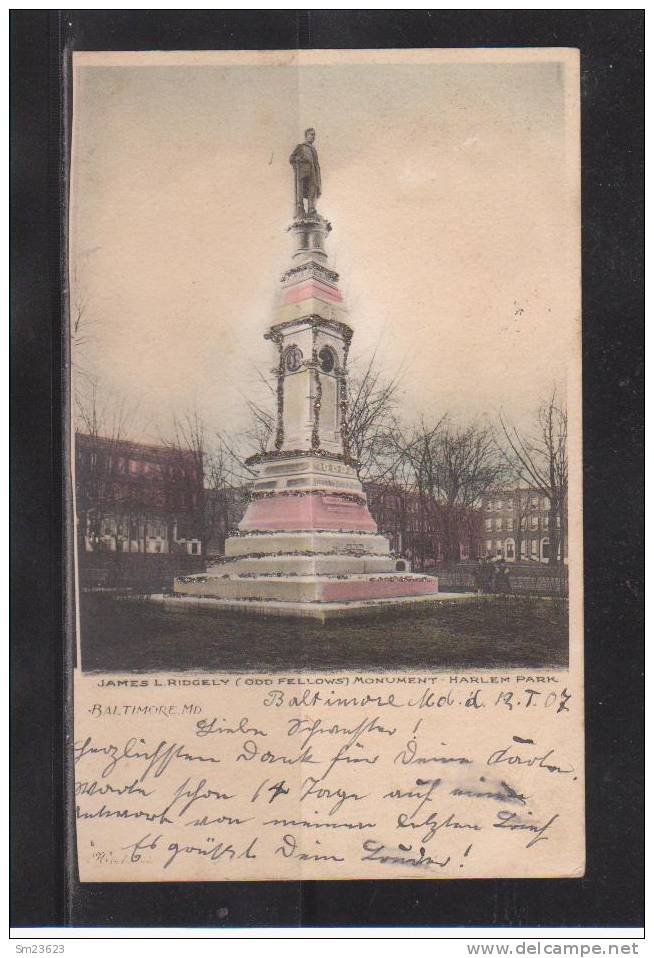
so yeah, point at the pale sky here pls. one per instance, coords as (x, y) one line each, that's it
(452, 189)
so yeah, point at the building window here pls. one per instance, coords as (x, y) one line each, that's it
(509, 503)
(546, 548)
(533, 522)
(489, 524)
(546, 502)
(498, 524)
(534, 548)
(509, 525)
(546, 522)
(489, 546)
(498, 504)
(498, 547)
(194, 548)
(509, 550)
(534, 501)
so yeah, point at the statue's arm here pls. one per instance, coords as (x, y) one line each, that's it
(294, 155)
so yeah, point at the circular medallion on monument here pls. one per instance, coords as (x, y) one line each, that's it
(327, 359)
(293, 358)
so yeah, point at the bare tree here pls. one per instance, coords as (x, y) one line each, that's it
(418, 453)
(101, 414)
(80, 326)
(391, 494)
(436, 479)
(187, 452)
(370, 419)
(457, 466)
(540, 459)
(403, 499)
(261, 432)
(100, 434)
(220, 461)
(81, 323)
(259, 435)
(520, 510)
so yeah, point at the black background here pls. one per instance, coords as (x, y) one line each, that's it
(611, 893)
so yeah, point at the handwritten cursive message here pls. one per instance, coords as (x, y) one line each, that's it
(328, 776)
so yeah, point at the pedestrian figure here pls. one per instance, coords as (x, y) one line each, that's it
(507, 580)
(502, 582)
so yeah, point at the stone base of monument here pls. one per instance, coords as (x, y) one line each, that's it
(307, 546)
(277, 587)
(315, 611)
(317, 574)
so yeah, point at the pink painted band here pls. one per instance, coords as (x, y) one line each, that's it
(311, 290)
(353, 589)
(298, 513)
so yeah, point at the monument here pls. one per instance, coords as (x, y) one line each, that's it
(307, 544)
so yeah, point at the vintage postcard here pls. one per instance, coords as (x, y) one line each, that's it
(325, 391)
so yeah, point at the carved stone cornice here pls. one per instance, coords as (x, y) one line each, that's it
(313, 319)
(323, 272)
(276, 454)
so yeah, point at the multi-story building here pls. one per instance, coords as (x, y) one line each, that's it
(223, 510)
(135, 498)
(516, 525)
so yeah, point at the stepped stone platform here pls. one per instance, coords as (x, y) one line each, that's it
(304, 569)
(346, 587)
(307, 545)
(316, 611)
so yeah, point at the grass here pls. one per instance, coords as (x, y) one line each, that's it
(129, 634)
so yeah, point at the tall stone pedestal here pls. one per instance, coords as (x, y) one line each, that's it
(307, 541)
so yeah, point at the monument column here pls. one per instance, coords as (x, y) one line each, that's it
(307, 544)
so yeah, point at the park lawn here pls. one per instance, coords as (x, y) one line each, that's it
(121, 633)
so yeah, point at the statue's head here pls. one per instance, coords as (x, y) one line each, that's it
(310, 135)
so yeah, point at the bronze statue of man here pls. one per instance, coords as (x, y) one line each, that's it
(304, 160)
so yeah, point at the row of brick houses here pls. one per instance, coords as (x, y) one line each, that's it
(137, 498)
(140, 513)
(518, 524)
(143, 500)
(513, 524)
